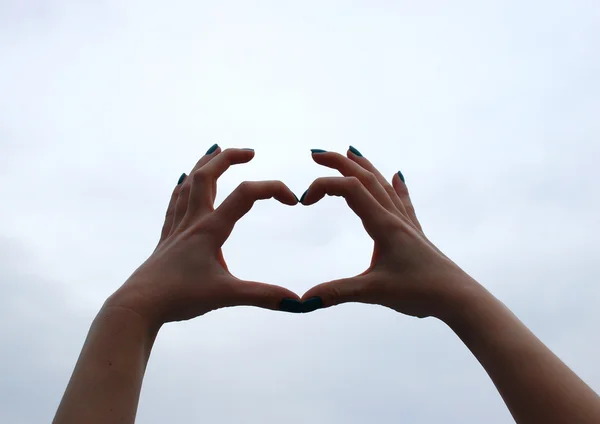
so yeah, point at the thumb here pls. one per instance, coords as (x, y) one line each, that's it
(354, 289)
(267, 296)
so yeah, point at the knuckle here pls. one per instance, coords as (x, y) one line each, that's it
(227, 154)
(337, 157)
(184, 191)
(173, 201)
(228, 151)
(170, 211)
(335, 293)
(399, 227)
(353, 182)
(392, 222)
(245, 188)
(211, 224)
(207, 226)
(320, 181)
(370, 178)
(200, 176)
(390, 191)
(401, 190)
(278, 187)
(176, 191)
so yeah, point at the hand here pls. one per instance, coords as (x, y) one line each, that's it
(186, 276)
(407, 272)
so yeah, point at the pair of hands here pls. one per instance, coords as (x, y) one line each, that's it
(187, 276)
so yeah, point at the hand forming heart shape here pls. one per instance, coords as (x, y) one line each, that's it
(187, 276)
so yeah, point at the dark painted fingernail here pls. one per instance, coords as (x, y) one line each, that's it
(180, 180)
(355, 151)
(312, 304)
(401, 176)
(303, 196)
(212, 149)
(318, 151)
(291, 305)
(296, 198)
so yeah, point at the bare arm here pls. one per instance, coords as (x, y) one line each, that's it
(105, 385)
(410, 275)
(536, 385)
(185, 277)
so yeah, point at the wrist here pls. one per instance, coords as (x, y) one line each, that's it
(127, 323)
(127, 301)
(462, 295)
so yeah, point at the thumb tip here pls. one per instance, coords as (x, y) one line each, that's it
(312, 304)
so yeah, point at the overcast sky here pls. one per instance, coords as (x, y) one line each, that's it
(490, 109)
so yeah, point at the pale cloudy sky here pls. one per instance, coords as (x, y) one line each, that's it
(489, 108)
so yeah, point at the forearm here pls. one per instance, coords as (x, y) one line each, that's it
(536, 385)
(105, 385)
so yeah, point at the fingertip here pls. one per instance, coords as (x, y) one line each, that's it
(354, 151)
(268, 296)
(314, 292)
(213, 149)
(308, 198)
(248, 154)
(357, 157)
(399, 184)
(312, 304)
(303, 197)
(285, 196)
(249, 151)
(401, 176)
(238, 156)
(289, 199)
(320, 156)
(353, 154)
(290, 305)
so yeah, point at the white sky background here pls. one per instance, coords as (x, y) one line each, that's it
(490, 110)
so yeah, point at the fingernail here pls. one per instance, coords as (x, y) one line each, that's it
(401, 176)
(312, 304)
(296, 197)
(247, 148)
(355, 151)
(303, 196)
(180, 180)
(291, 305)
(212, 149)
(318, 151)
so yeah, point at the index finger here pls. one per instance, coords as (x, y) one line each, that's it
(375, 218)
(349, 168)
(203, 190)
(241, 200)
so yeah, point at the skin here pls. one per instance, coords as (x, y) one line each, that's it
(410, 275)
(187, 276)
